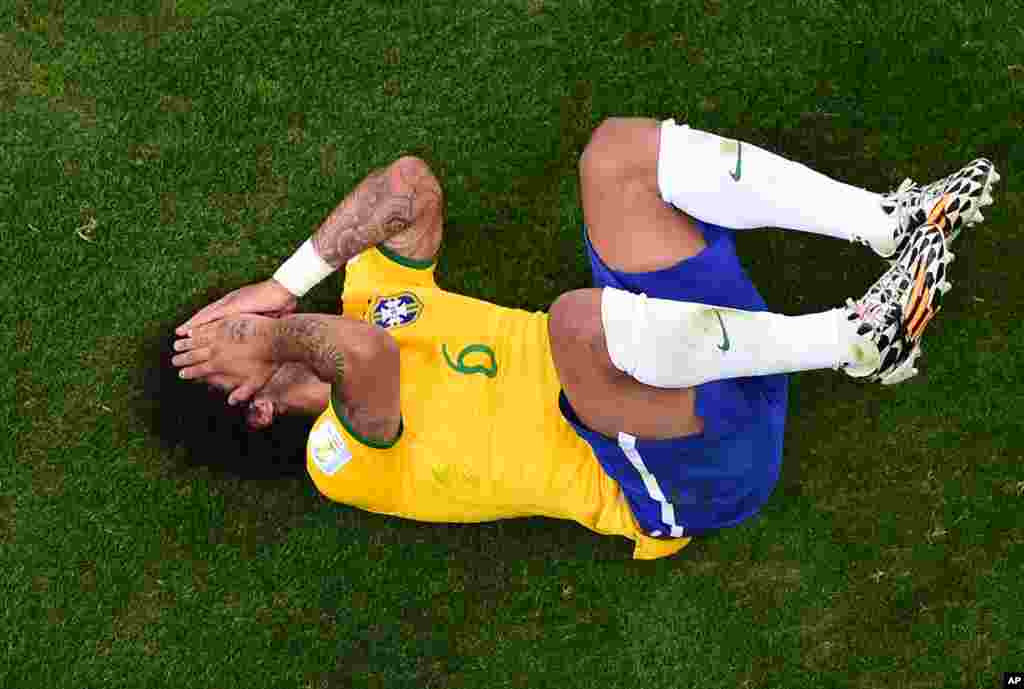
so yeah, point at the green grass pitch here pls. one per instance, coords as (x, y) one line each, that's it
(151, 153)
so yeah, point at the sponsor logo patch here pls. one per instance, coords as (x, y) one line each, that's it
(328, 448)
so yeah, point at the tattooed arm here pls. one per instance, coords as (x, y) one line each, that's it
(360, 362)
(400, 205)
(295, 389)
(389, 202)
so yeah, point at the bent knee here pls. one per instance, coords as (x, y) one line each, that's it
(575, 317)
(621, 147)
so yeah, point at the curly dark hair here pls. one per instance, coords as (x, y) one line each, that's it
(194, 421)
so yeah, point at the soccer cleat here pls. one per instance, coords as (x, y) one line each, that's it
(951, 203)
(894, 312)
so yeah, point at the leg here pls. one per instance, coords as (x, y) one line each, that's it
(630, 226)
(741, 186)
(633, 230)
(679, 345)
(674, 344)
(606, 399)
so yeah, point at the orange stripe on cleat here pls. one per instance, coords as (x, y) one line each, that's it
(921, 305)
(916, 334)
(919, 319)
(918, 291)
(921, 312)
(938, 216)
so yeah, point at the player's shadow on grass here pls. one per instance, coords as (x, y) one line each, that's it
(194, 423)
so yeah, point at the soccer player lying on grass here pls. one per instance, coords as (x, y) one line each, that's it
(651, 406)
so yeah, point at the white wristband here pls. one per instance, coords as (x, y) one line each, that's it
(304, 270)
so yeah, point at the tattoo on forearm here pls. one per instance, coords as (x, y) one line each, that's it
(291, 374)
(369, 215)
(306, 337)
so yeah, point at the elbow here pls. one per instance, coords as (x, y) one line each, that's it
(378, 348)
(371, 361)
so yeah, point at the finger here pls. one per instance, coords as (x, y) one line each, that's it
(241, 394)
(205, 333)
(196, 356)
(210, 312)
(198, 319)
(196, 372)
(193, 340)
(221, 383)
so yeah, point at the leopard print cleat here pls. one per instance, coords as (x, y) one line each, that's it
(951, 203)
(893, 314)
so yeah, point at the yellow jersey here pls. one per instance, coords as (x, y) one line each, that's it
(481, 436)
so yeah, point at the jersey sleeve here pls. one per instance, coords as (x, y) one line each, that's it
(349, 469)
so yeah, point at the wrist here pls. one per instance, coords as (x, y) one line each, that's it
(308, 397)
(279, 287)
(295, 389)
(303, 270)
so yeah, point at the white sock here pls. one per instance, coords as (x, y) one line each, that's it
(675, 344)
(696, 174)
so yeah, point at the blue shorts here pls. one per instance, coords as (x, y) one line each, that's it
(720, 477)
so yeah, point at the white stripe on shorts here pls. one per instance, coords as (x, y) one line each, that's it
(668, 513)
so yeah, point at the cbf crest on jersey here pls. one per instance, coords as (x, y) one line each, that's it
(396, 310)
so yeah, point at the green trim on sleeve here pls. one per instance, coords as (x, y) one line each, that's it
(407, 262)
(375, 444)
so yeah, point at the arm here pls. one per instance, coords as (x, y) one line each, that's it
(360, 361)
(380, 207)
(295, 390)
(397, 200)
(401, 202)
